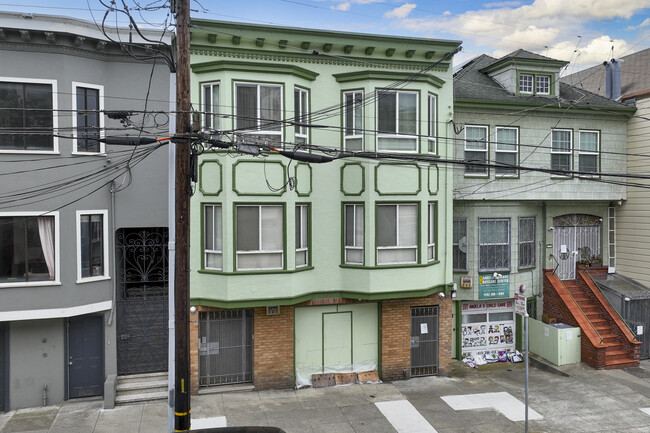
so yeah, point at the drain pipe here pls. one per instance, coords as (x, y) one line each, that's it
(109, 321)
(44, 395)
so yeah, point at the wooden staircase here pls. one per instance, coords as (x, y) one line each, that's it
(607, 341)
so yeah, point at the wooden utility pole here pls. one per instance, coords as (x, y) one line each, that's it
(182, 198)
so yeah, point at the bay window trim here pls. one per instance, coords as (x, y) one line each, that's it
(210, 117)
(397, 134)
(75, 141)
(432, 120)
(398, 246)
(260, 251)
(207, 251)
(345, 231)
(260, 121)
(55, 114)
(105, 246)
(357, 133)
(304, 240)
(301, 114)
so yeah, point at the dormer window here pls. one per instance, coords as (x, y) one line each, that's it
(525, 83)
(543, 84)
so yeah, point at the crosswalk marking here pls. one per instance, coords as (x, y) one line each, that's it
(404, 417)
(217, 421)
(503, 402)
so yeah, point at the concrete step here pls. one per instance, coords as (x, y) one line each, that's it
(143, 377)
(121, 400)
(141, 387)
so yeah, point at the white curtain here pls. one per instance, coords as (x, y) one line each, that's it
(46, 233)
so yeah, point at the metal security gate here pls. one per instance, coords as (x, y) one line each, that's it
(424, 341)
(573, 236)
(142, 303)
(225, 347)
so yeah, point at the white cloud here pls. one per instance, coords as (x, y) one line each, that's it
(645, 23)
(446, 13)
(600, 9)
(401, 12)
(502, 4)
(341, 6)
(596, 50)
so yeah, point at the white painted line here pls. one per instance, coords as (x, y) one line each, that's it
(503, 402)
(218, 421)
(404, 417)
(645, 409)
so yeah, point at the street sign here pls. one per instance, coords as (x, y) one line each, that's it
(520, 305)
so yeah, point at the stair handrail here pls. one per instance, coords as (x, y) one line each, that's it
(581, 310)
(556, 266)
(610, 304)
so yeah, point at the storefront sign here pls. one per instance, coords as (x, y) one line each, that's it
(490, 286)
(520, 305)
(466, 282)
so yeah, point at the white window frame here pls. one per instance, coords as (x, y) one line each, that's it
(102, 133)
(526, 83)
(302, 233)
(398, 226)
(507, 244)
(568, 152)
(357, 133)
(105, 249)
(484, 151)
(498, 149)
(210, 115)
(397, 133)
(432, 142)
(531, 243)
(356, 224)
(57, 250)
(431, 232)
(55, 114)
(546, 86)
(260, 240)
(301, 115)
(215, 229)
(582, 152)
(259, 118)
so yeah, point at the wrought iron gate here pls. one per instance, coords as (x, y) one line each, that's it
(225, 347)
(571, 234)
(142, 303)
(424, 341)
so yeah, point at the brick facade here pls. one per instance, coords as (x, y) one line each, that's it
(273, 349)
(396, 335)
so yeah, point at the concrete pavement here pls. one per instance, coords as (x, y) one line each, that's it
(493, 396)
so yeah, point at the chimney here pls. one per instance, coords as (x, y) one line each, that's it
(613, 79)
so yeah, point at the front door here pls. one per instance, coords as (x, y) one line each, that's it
(424, 341)
(576, 237)
(85, 356)
(4, 367)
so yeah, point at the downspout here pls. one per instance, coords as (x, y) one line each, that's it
(109, 322)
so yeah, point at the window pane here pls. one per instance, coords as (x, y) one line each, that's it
(561, 140)
(475, 138)
(560, 162)
(270, 108)
(408, 225)
(272, 235)
(386, 225)
(358, 229)
(246, 106)
(248, 234)
(506, 139)
(27, 248)
(214, 261)
(588, 163)
(208, 221)
(588, 141)
(407, 113)
(397, 144)
(386, 108)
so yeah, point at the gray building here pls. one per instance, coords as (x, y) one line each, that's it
(83, 225)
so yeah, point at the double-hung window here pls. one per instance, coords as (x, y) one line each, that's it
(212, 237)
(431, 232)
(459, 244)
(397, 121)
(588, 153)
(87, 119)
(28, 247)
(301, 114)
(353, 120)
(353, 234)
(526, 83)
(211, 107)
(494, 244)
(259, 237)
(302, 235)
(543, 83)
(476, 150)
(397, 233)
(561, 150)
(258, 111)
(526, 242)
(92, 246)
(433, 125)
(507, 152)
(27, 115)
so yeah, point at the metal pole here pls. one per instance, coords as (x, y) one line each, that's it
(182, 277)
(526, 386)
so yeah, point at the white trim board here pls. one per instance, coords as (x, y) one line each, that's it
(55, 313)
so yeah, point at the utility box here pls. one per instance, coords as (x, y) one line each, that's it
(558, 343)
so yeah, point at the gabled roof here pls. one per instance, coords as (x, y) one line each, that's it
(634, 75)
(472, 83)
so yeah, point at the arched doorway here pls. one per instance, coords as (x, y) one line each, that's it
(573, 236)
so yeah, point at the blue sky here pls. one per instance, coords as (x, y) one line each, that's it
(584, 32)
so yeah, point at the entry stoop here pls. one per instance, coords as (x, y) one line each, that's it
(141, 388)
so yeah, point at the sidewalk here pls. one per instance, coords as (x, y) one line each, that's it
(487, 399)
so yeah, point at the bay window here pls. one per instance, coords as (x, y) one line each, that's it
(259, 237)
(397, 121)
(353, 234)
(302, 235)
(353, 121)
(258, 111)
(397, 233)
(88, 122)
(212, 237)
